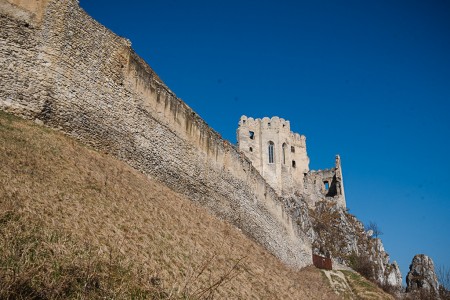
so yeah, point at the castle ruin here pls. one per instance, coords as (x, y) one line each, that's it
(280, 157)
(67, 71)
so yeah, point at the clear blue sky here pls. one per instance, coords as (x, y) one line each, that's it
(369, 80)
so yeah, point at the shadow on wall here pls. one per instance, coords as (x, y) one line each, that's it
(88, 82)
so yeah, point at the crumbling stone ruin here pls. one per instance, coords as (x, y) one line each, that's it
(316, 199)
(63, 69)
(280, 157)
(67, 71)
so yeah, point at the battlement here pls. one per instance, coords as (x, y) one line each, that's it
(280, 156)
(71, 73)
(275, 151)
(274, 123)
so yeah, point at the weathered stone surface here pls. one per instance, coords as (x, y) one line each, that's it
(280, 156)
(393, 275)
(342, 235)
(62, 68)
(276, 152)
(421, 275)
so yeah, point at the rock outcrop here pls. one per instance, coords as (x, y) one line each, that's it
(341, 235)
(65, 70)
(421, 276)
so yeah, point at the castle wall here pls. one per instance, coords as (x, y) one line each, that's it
(325, 184)
(281, 158)
(290, 160)
(62, 68)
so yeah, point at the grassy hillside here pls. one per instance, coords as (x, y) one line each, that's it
(75, 223)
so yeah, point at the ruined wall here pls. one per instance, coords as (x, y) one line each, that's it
(325, 184)
(64, 69)
(287, 167)
(290, 160)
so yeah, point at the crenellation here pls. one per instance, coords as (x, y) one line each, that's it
(70, 72)
(280, 156)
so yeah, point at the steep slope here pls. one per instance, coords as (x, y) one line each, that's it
(343, 236)
(75, 222)
(69, 72)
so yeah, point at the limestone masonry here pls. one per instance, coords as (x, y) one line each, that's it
(280, 157)
(63, 69)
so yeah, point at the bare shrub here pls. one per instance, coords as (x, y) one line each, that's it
(443, 275)
(78, 224)
(363, 265)
(374, 228)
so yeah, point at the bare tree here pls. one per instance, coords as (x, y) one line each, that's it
(443, 275)
(376, 231)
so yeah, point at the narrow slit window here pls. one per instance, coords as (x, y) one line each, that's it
(252, 135)
(293, 164)
(270, 152)
(292, 149)
(326, 185)
(284, 153)
(251, 149)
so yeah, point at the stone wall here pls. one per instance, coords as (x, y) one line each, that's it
(281, 158)
(325, 184)
(289, 158)
(62, 68)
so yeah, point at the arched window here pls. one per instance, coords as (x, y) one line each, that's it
(284, 153)
(271, 152)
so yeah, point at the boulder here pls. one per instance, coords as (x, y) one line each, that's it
(421, 276)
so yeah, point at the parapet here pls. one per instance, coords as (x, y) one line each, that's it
(112, 100)
(265, 123)
(272, 124)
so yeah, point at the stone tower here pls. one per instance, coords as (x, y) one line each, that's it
(276, 152)
(280, 157)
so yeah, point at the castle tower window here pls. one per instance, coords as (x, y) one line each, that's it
(326, 184)
(252, 135)
(251, 149)
(284, 153)
(293, 163)
(292, 149)
(271, 152)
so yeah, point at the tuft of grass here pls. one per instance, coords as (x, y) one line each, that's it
(363, 288)
(40, 264)
(79, 224)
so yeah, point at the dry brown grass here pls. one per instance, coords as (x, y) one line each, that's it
(362, 288)
(75, 223)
